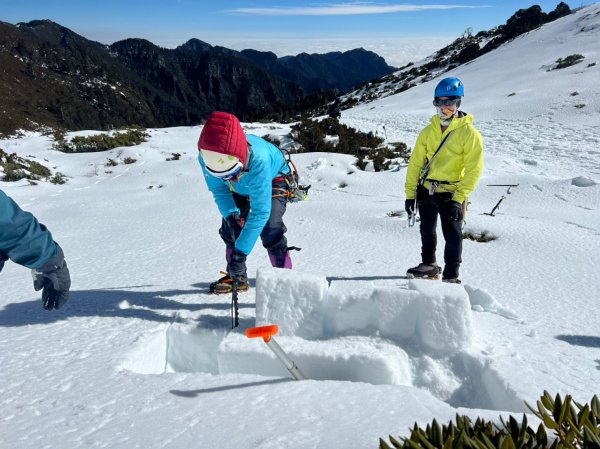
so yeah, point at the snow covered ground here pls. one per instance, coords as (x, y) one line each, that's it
(142, 356)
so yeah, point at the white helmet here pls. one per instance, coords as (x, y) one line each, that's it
(221, 165)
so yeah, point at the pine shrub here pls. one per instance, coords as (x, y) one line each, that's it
(573, 426)
(102, 142)
(568, 61)
(366, 147)
(16, 168)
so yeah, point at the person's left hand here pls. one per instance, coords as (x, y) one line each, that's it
(3, 258)
(236, 268)
(456, 211)
(55, 280)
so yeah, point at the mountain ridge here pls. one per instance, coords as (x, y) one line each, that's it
(55, 78)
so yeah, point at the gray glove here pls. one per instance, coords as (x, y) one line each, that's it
(54, 279)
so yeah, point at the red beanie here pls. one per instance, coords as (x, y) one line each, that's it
(223, 134)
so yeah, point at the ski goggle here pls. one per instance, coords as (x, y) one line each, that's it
(446, 101)
(229, 174)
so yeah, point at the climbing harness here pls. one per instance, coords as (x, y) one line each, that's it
(293, 190)
(423, 177)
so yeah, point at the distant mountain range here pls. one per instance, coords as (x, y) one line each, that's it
(53, 77)
(463, 50)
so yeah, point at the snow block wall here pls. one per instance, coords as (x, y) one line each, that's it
(291, 299)
(436, 315)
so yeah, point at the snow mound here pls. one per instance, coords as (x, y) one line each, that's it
(582, 181)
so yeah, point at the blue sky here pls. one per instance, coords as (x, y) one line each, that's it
(270, 22)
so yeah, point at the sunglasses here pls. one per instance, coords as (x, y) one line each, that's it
(446, 101)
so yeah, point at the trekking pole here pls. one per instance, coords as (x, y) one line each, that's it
(491, 214)
(267, 332)
(234, 305)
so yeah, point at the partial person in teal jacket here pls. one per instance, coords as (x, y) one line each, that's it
(247, 177)
(27, 242)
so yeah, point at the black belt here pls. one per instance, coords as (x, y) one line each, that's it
(441, 182)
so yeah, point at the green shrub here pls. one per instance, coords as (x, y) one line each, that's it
(102, 142)
(483, 236)
(568, 61)
(37, 169)
(573, 428)
(16, 168)
(11, 174)
(310, 134)
(58, 178)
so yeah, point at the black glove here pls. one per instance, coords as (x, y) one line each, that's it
(409, 207)
(3, 258)
(236, 268)
(234, 223)
(54, 279)
(456, 211)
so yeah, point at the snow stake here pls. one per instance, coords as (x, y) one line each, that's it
(491, 214)
(267, 332)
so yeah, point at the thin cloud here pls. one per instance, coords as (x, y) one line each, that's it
(343, 9)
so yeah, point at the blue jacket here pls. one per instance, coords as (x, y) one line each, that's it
(22, 238)
(265, 163)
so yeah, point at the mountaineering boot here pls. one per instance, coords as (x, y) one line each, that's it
(424, 271)
(451, 280)
(281, 260)
(225, 285)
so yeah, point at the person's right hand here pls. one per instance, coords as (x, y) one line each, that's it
(234, 222)
(55, 280)
(409, 207)
(236, 268)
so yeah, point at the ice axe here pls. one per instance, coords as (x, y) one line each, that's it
(267, 332)
(491, 214)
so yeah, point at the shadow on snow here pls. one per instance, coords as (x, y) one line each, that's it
(144, 305)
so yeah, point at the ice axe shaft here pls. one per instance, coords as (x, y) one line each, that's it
(267, 332)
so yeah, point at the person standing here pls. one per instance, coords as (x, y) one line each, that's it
(248, 179)
(29, 243)
(444, 168)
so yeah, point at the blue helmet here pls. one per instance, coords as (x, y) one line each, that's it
(449, 87)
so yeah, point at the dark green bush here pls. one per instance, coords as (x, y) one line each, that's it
(573, 427)
(310, 134)
(483, 236)
(16, 168)
(102, 142)
(58, 178)
(568, 61)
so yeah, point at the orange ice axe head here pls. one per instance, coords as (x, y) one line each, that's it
(266, 333)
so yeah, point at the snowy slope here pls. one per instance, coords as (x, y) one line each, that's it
(142, 356)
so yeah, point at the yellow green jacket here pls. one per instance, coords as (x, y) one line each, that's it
(459, 162)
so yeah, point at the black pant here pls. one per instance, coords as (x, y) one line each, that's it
(272, 235)
(430, 206)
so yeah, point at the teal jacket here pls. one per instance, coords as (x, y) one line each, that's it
(23, 239)
(265, 163)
